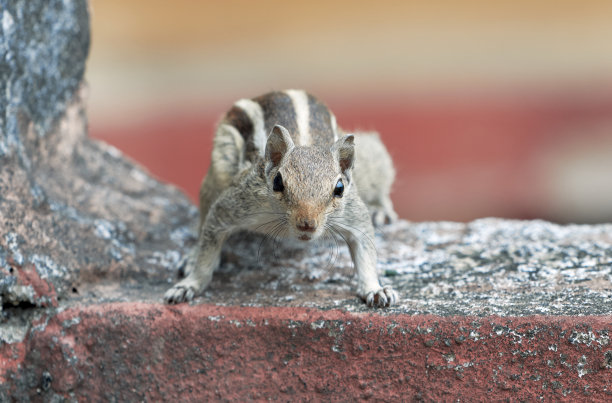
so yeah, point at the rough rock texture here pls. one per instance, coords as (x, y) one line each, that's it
(492, 309)
(72, 210)
(149, 352)
(513, 310)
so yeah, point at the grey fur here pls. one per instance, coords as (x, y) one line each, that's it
(374, 175)
(238, 194)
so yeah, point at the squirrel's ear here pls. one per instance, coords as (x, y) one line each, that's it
(279, 143)
(345, 149)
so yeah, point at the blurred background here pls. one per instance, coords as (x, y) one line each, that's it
(488, 108)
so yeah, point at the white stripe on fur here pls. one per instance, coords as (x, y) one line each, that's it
(302, 116)
(334, 125)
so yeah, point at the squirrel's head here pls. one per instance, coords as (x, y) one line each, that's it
(310, 184)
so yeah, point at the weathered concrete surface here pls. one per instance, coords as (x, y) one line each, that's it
(486, 267)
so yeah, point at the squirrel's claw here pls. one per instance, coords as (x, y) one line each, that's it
(178, 294)
(383, 297)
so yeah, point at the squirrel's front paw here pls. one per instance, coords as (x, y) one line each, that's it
(382, 297)
(179, 293)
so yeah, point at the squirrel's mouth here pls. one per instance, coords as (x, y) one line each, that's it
(305, 237)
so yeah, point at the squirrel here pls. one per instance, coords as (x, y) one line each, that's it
(306, 176)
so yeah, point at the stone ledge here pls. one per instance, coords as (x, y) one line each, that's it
(499, 308)
(286, 325)
(152, 352)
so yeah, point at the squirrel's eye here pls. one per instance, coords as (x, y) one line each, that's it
(278, 183)
(339, 189)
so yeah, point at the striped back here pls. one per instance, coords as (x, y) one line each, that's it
(306, 118)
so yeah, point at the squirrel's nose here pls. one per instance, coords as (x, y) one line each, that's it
(306, 225)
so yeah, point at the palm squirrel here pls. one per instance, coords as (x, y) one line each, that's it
(306, 176)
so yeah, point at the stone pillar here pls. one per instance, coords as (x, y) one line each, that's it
(73, 211)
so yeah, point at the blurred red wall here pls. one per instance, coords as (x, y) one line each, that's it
(488, 108)
(457, 159)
